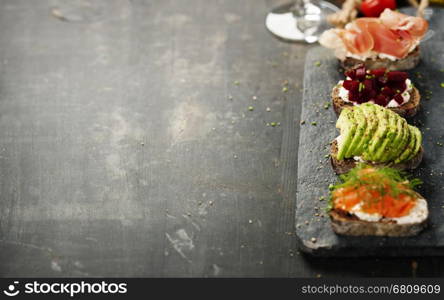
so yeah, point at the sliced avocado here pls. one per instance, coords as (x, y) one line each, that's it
(405, 141)
(347, 125)
(369, 111)
(382, 153)
(361, 124)
(378, 138)
(409, 148)
(418, 142)
(400, 140)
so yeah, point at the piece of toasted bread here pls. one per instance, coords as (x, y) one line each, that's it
(406, 63)
(343, 166)
(348, 224)
(406, 110)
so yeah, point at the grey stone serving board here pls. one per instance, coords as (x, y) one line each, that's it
(315, 173)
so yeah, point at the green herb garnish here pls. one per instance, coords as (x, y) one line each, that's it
(352, 177)
(384, 180)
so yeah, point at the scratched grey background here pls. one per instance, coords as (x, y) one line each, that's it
(127, 147)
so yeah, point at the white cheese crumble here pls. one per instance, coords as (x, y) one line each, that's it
(339, 139)
(357, 211)
(417, 214)
(389, 57)
(358, 158)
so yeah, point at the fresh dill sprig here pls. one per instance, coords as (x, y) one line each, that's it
(383, 180)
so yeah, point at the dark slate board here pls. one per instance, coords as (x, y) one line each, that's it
(315, 173)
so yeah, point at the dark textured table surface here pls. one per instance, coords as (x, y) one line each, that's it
(127, 146)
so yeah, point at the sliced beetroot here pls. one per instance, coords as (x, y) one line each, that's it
(381, 100)
(398, 98)
(378, 84)
(350, 73)
(351, 85)
(397, 76)
(375, 85)
(362, 99)
(365, 97)
(378, 72)
(369, 85)
(397, 86)
(353, 96)
(360, 73)
(382, 80)
(387, 91)
(368, 90)
(371, 94)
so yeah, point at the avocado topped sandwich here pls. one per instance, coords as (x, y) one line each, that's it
(377, 201)
(390, 89)
(376, 135)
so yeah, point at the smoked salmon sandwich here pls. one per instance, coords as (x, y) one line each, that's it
(390, 41)
(378, 202)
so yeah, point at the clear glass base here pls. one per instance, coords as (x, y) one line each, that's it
(300, 24)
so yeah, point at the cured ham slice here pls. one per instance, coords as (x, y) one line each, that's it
(390, 42)
(330, 39)
(416, 26)
(357, 37)
(393, 34)
(355, 41)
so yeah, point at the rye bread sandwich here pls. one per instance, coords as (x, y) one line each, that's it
(377, 136)
(378, 202)
(391, 41)
(410, 61)
(389, 89)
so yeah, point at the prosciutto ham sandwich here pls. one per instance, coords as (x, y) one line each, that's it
(390, 41)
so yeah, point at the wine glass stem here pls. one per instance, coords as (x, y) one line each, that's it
(303, 15)
(298, 7)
